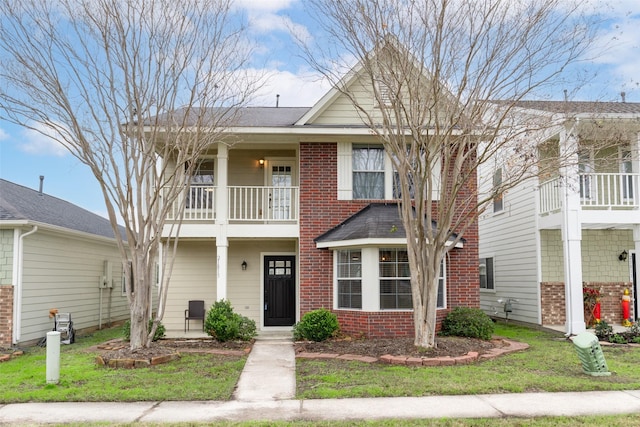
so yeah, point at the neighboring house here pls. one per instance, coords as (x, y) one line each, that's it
(299, 215)
(577, 225)
(54, 255)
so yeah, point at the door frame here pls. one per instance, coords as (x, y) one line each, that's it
(268, 171)
(262, 327)
(633, 256)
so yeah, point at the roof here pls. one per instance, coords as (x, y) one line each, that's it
(375, 221)
(246, 116)
(19, 203)
(576, 107)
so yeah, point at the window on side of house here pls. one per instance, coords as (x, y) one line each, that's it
(349, 277)
(368, 172)
(486, 273)
(498, 199)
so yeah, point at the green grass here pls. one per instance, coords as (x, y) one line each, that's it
(550, 364)
(193, 377)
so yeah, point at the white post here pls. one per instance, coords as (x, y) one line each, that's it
(53, 357)
(572, 235)
(222, 218)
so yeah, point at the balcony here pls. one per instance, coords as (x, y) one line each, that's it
(246, 204)
(598, 191)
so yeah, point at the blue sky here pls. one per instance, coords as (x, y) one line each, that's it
(25, 155)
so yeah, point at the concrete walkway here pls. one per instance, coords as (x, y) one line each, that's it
(266, 391)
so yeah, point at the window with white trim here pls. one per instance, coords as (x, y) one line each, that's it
(202, 182)
(349, 277)
(498, 198)
(368, 172)
(486, 273)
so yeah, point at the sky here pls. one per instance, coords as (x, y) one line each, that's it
(26, 155)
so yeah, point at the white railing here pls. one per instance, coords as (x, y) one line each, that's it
(597, 190)
(200, 203)
(263, 204)
(550, 196)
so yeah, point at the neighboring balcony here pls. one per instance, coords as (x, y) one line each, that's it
(604, 197)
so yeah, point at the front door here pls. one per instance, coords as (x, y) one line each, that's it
(279, 290)
(636, 286)
(279, 180)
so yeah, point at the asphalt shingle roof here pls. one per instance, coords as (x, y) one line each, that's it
(576, 107)
(375, 221)
(246, 117)
(22, 203)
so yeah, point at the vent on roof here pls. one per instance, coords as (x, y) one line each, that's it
(41, 184)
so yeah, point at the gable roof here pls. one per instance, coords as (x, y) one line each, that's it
(377, 223)
(242, 116)
(19, 203)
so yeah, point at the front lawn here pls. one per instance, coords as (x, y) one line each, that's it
(550, 364)
(193, 377)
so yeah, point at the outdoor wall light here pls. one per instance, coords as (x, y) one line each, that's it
(623, 256)
(244, 265)
(261, 163)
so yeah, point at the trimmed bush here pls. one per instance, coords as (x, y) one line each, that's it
(316, 325)
(126, 330)
(467, 322)
(225, 325)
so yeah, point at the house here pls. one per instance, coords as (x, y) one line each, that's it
(54, 255)
(296, 216)
(577, 224)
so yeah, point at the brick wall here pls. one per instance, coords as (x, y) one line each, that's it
(320, 211)
(6, 315)
(553, 307)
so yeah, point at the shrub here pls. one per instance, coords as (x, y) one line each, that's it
(160, 330)
(316, 325)
(225, 325)
(636, 340)
(617, 339)
(603, 330)
(467, 322)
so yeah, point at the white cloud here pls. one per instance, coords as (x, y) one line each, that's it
(302, 89)
(253, 6)
(39, 141)
(3, 134)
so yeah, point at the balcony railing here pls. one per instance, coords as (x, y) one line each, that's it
(597, 191)
(245, 204)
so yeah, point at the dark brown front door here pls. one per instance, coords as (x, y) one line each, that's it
(279, 290)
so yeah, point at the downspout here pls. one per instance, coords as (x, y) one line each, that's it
(17, 297)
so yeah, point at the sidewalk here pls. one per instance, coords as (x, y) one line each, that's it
(266, 390)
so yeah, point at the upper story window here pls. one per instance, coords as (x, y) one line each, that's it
(204, 173)
(486, 273)
(200, 193)
(498, 198)
(368, 171)
(586, 167)
(365, 171)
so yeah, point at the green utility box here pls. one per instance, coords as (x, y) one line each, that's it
(591, 355)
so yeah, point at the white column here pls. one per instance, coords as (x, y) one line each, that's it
(222, 218)
(572, 235)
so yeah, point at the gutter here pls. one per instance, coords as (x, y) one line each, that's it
(17, 273)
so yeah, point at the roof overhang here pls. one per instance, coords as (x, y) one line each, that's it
(360, 243)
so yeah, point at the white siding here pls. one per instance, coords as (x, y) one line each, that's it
(510, 238)
(63, 272)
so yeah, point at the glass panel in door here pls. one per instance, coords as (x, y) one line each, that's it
(280, 182)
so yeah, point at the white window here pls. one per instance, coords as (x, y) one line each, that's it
(395, 279)
(498, 200)
(202, 181)
(349, 273)
(486, 273)
(585, 170)
(626, 178)
(368, 172)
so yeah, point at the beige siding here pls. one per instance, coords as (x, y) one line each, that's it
(63, 272)
(6, 256)
(342, 112)
(193, 278)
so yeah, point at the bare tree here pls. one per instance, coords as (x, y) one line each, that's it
(434, 67)
(123, 84)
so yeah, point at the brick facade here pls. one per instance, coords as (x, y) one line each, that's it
(320, 211)
(553, 306)
(6, 315)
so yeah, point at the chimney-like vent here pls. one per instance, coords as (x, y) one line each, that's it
(41, 184)
(277, 100)
(623, 95)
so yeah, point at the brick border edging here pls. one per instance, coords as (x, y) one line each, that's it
(472, 356)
